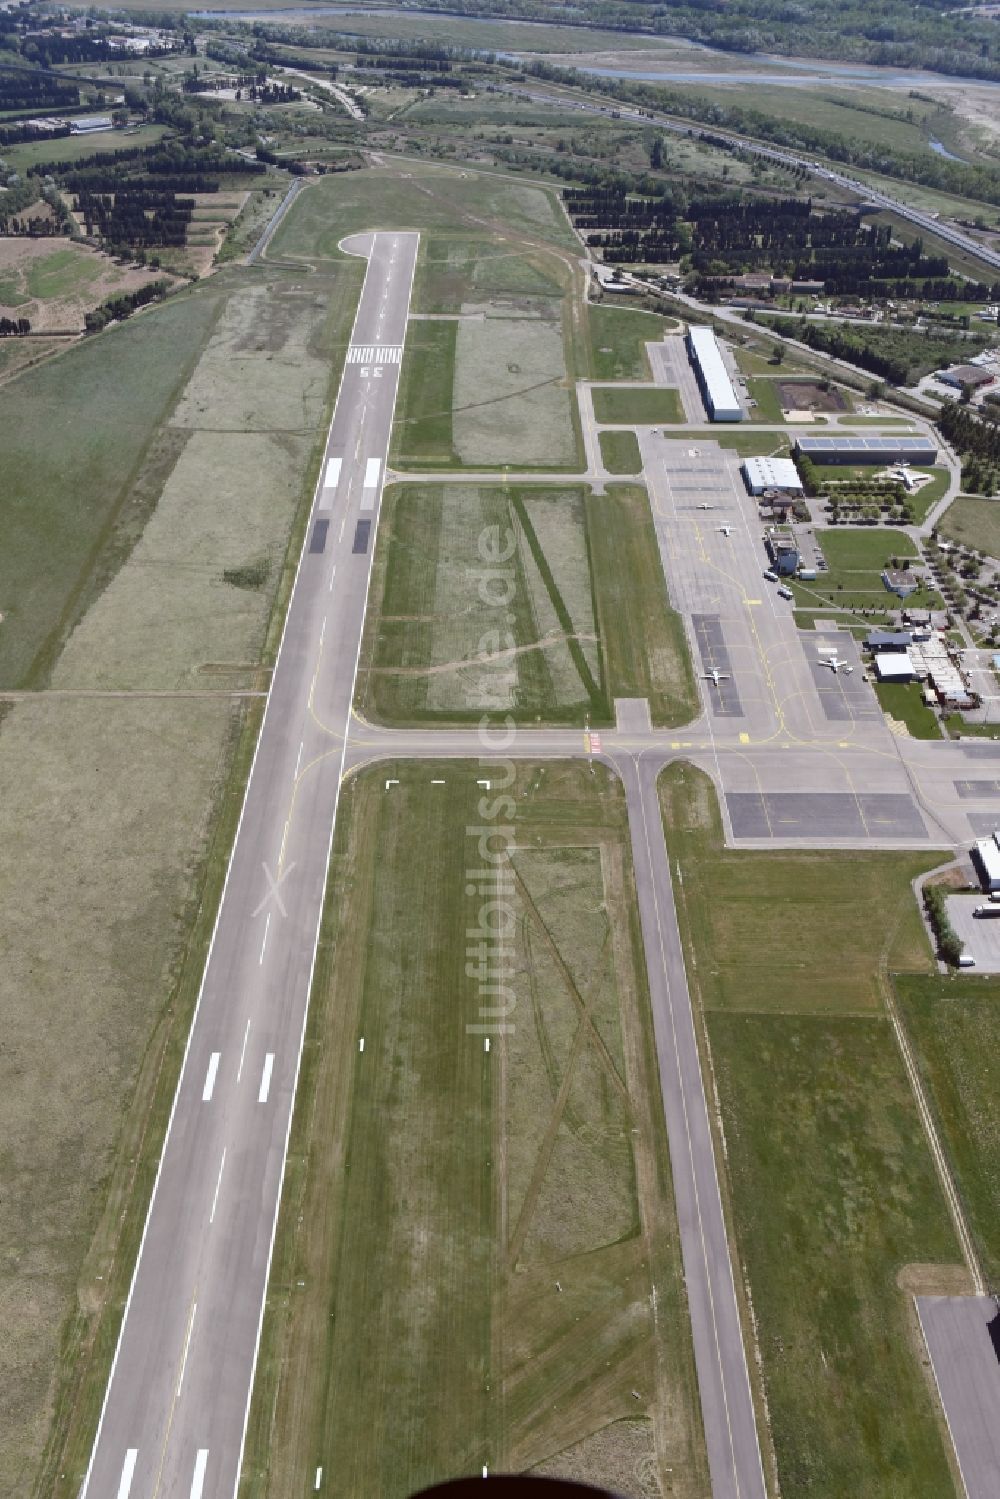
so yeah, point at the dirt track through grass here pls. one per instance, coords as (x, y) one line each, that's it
(513, 1200)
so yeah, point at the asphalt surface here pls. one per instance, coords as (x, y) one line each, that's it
(175, 1412)
(966, 1367)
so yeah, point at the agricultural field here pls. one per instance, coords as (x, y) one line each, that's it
(486, 391)
(54, 282)
(952, 1024)
(820, 1124)
(410, 195)
(436, 652)
(974, 523)
(148, 562)
(631, 407)
(856, 558)
(532, 1252)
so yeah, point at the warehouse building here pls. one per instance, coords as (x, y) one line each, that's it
(966, 374)
(721, 400)
(770, 475)
(894, 666)
(906, 448)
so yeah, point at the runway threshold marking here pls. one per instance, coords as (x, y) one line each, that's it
(265, 1081)
(213, 1067)
(198, 1479)
(128, 1469)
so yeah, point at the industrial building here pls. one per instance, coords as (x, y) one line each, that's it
(767, 475)
(987, 855)
(856, 448)
(894, 666)
(721, 400)
(966, 374)
(783, 551)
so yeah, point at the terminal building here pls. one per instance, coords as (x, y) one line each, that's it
(721, 400)
(772, 476)
(906, 448)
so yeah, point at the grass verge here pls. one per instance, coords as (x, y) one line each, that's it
(833, 1194)
(618, 339)
(631, 407)
(620, 452)
(905, 702)
(522, 1249)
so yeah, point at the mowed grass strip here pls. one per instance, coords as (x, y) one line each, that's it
(856, 558)
(471, 1242)
(832, 1188)
(618, 339)
(953, 1025)
(98, 407)
(620, 452)
(422, 430)
(973, 522)
(630, 407)
(645, 650)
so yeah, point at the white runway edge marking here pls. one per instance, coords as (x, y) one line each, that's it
(213, 1067)
(198, 1481)
(128, 1468)
(265, 1082)
(319, 1478)
(218, 1184)
(375, 353)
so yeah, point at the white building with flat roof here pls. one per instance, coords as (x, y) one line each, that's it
(987, 856)
(763, 474)
(721, 400)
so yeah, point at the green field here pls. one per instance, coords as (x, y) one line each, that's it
(416, 196)
(905, 701)
(952, 1023)
(576, 615)
(70, 148)
(618, 338)
(620, 452)
(856, 557)
(422, 430)
(628, 406)
(973, 522)
(515, 1201)
(768, 402)
(67, 480)
(821, 1130)
(749, 444)
(454, 272)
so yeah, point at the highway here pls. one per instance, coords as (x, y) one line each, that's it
(174, 1417)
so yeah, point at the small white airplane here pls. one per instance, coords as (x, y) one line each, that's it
(833, 661)
(704, 505)
(726, 530)
(715, 676)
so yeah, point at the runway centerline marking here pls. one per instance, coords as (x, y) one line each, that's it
(243, 1052)
(128, 1468)
(265, 1081)
(187, 1345)
(198, 1479)
(218, 1184)
(263, 945)
(213, 1067)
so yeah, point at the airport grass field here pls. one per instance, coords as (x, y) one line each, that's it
(634, 407)
(856, 558)
(620, 452)
(618, 339)
(973, 522)
(820, 1125)
(514, 1202)
(548, 638)
(952, 1023)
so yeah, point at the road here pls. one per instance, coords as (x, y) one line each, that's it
(174, 1417)
(966, 1361)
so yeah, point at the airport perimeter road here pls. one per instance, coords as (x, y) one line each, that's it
(174, 1417)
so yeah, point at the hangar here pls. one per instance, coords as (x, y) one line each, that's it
(766, 474)
(856, 448)
(721, 400)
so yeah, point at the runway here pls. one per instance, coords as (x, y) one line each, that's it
(174, 1417)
